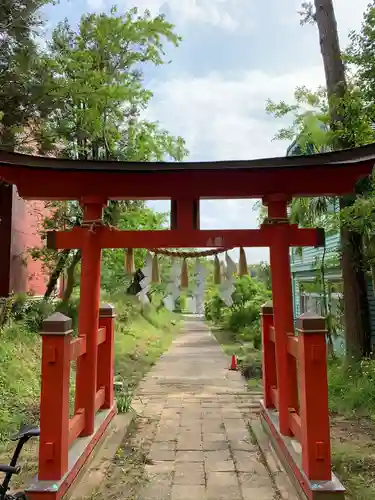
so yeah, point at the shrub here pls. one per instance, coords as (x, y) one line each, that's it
(31, 311)
(180, 304)
(242, 318)
(352, 387)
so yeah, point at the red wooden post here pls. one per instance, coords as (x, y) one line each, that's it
(282, 305)
(86, 378)
(106, 354)
(185, 214)
(268, 355)
(315, 435)
(54, 400)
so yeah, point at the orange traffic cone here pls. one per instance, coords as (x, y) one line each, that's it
(233, 365)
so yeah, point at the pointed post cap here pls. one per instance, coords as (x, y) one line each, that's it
(267, 309)
(57, 324)
(311, 323)
(107, 311)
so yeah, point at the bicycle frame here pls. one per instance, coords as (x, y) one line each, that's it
(8, 476)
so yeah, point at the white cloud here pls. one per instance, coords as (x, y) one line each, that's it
(225, 14)
(349, 15)
(224, 118)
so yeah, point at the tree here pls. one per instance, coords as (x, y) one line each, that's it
(22, 96)
(96, 81)
(356, 309)
(262, 272)
(339, 98)
(360, 53)
(96, 86)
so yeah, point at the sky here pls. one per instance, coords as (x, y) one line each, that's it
(235, 54)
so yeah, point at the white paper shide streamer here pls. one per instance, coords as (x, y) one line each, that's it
(200, 285)
(227, 287)
(173, 286)
(145, 283)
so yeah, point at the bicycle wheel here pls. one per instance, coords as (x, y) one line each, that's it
(20, 495)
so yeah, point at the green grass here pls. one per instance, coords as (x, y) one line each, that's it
(352, 388)
(352, 404)
(19, 377)
(140, 339)
(354, 463)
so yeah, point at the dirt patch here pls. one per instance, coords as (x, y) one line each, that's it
(126, 473)
(353, 455)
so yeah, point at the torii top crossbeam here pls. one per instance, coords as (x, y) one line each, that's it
(333, 173)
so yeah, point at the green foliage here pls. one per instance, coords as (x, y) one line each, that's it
(140, 340)
(134, 217)
(314, 131)
(360, 217)
(19, 376)
(352, 388)
(262, 272)
(22, 95)
(311, 132)
(124, 396)
(96, 82)
(28, 310)
(360, 53)
(242, 318)
(180, 303)
(97, 98)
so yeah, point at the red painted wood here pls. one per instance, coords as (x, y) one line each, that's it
(275, 397)
(77, 348)
(106, 359)
(77, 466)
(86, 376)
(185, 214)
(283, 448)
(54, 407)
(231, 183)
(76, 425)
(230, 238)
(283, 319)
(295, 424)
(100, 398)
(293, 380)
(315, 434)
(268, 356)
(272, 333)
(101, 334)
(293, 346)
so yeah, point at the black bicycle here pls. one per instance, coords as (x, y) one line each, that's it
(24, 434)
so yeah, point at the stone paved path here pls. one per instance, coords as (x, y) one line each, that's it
(200, 445)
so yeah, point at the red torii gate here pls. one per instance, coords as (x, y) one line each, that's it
(295, 402)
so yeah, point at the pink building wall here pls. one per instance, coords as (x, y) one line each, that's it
(26, 274)
(19, 222)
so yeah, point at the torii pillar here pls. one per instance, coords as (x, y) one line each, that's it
(286, 372)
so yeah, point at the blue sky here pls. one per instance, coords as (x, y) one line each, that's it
(235, 54)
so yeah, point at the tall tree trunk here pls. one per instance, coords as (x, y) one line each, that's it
(356, 309)
(70, 273)
(53, 279)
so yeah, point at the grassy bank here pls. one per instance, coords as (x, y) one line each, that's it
(352, 405)
(140, 338)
